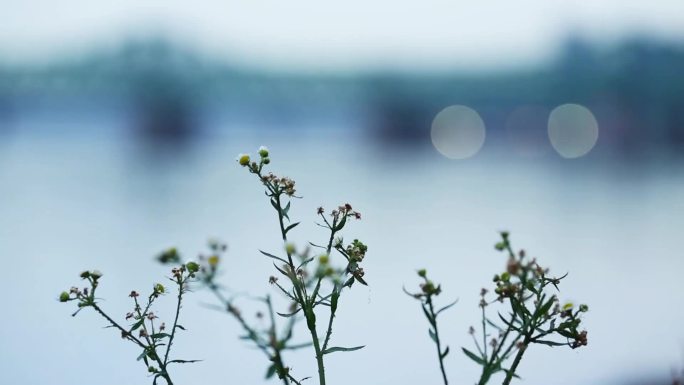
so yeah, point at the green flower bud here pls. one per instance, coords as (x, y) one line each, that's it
(193, 267)
(159, 288)
(267, 160)
(584, 308)
(169, 256)
(422, 273)
(290, 249)
(64, 297)
(496, 278)
(96, 274)
(505, 276)
(213, 261)
(243, 159)
(85, 274)
(500, 246)
(263, 151)
(324, 259)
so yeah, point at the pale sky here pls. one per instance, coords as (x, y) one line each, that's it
(337, 35)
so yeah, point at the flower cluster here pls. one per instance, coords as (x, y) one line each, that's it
(354, 253)
(535, 316)
(427, 287)
(525, 280)
(86, 295)
(285, 184)
(145, 332)
(307, 291)
(282, 184)
(344, 210)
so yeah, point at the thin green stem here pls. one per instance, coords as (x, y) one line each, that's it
(493, 361)
(437, 341)
(277, 357)
(336, 291)
(516, 361)
(484, 329)
(308, 308)
(319, 355)
(328, 333)
(164, 374)
(116, 325)
(181, 283)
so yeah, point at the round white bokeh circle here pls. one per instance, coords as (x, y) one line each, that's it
(458, 132)
(573, 130)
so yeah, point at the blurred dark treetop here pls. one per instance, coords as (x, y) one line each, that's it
(635, 89)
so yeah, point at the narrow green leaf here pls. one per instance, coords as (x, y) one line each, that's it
(272, 256)
(492, 324)
(290, 227)
(283, 272)
(474, 356)
(305, 262)
(505, 321)
(446, 351)
(270, 371)
(333, 301)
(341, 349)
(518, 308)
(545, 309)
(142, 355)
(183, 361)
(432, 335)
(514, 375)
(286, 211)
(446, 307)
(137, 325)
(550, 343)
(286, 315)
(159, 335)
(340, 225)
(298, 346)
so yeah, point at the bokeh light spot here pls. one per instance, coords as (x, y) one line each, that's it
(573, 130)
(458, 132)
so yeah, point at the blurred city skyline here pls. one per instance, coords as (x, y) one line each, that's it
(163, 89)
(308, 36)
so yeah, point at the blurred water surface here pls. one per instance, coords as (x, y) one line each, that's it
(79, 201)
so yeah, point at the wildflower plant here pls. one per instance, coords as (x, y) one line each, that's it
(534, 316)
(428, 291)
(143, 329)
(312, 280)
(270, 340)
(316, 290)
